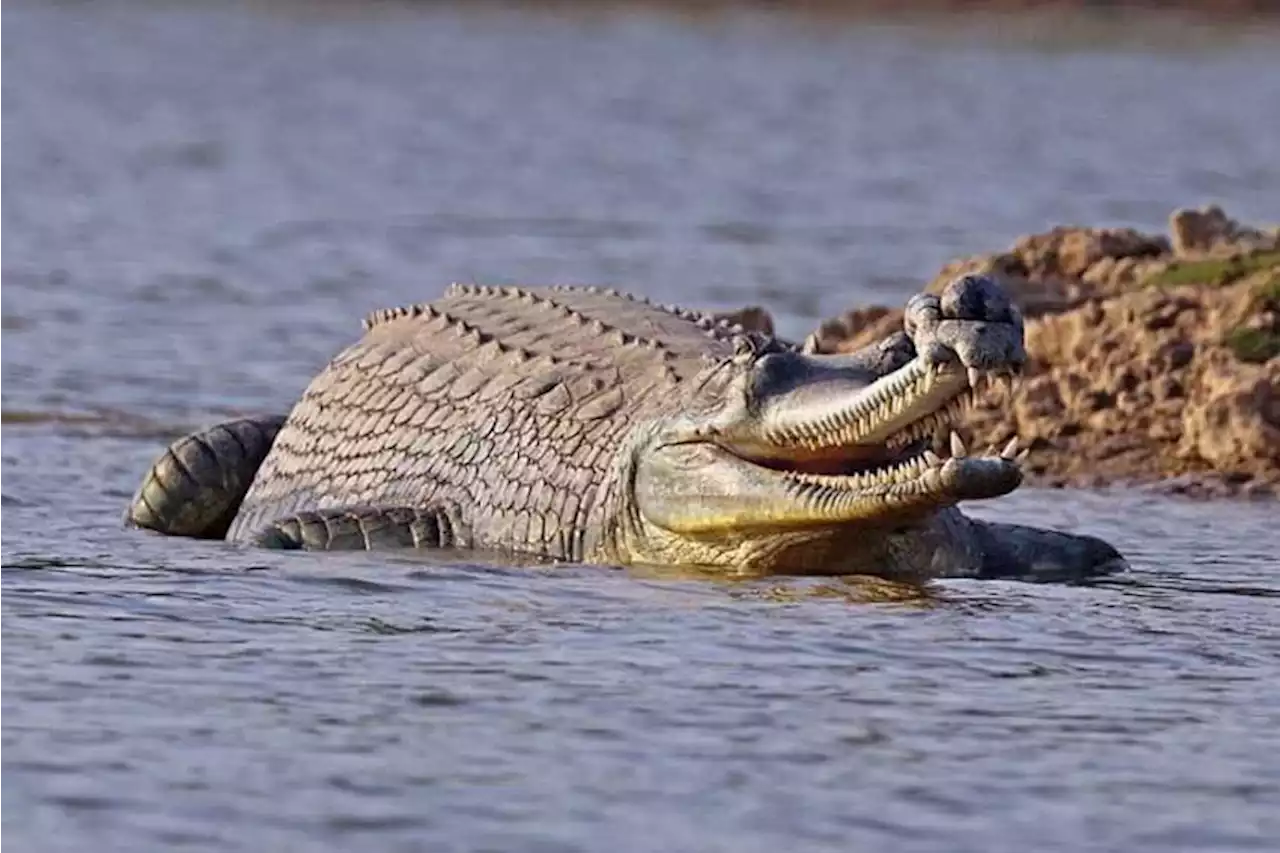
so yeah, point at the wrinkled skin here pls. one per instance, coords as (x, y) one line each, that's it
(664, 439)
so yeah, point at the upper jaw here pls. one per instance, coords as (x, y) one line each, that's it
(879, 434)
(910, 403)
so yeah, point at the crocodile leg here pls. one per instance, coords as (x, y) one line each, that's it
(1019, 552)
(196, 486)
(366, 529)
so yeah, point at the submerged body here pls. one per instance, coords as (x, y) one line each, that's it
(588, 425)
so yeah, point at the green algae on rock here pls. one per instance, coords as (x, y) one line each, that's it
(1217, 271)
(1253, 345)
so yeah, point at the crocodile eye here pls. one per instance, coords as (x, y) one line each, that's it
(777, 372)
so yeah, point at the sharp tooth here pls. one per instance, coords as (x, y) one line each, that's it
(1022, 457)
(957, 445)
(932, 458)
(1011, 449)
(974, 378)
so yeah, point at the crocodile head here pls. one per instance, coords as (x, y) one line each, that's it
(806, 452)
(782, 460)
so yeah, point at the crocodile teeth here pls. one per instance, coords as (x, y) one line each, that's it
(975, 377)
(1010, 450)
(932, 458)
(957, 446)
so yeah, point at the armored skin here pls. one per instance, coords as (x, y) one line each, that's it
(588, 425)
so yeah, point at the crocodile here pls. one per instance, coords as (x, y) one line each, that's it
(583, 424)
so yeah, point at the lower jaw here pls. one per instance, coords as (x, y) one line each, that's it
(864, 461)
(913, 484)
(904, 458)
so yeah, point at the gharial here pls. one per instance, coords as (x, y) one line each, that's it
(587, 425)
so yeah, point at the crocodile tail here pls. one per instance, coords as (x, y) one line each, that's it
(196, 486)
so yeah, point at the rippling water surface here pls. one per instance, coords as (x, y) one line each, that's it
(201, 200)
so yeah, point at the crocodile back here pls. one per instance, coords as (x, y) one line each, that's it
(510, 404)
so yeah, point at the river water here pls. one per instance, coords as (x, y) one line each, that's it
(201, 200)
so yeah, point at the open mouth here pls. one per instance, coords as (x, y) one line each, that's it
(879, 454)
(912, 436)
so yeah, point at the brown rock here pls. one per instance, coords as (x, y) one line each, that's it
(1210, 231)
(1174, 355)
(1234, 423)
(1051, 272)
(855, 329)
(753, 318)
(1134, 376)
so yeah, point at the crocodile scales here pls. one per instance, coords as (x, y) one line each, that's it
(585, 424)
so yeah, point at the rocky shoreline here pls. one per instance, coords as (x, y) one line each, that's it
(1154, 359)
